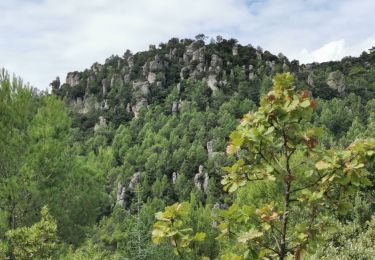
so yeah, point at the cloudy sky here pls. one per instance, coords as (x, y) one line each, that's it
(42, 39)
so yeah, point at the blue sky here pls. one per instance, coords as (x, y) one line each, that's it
(42, 39)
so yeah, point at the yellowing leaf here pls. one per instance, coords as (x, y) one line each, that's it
(322, 165)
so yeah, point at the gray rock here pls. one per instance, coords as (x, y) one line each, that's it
(128, 107)
(102, 123)
(310, 80)
(72, 78)
(138, 106)
(336, 81)
(135, 180)
(151, 78)
(184, 73)
(175, 107)
(104, 86)
(201, 180)
(96, 68)
(210, 148)
(157, 65)
(212, 82)
(120, 196)
(216, 61)
(127, 79)
(174, 177)
(142, 88)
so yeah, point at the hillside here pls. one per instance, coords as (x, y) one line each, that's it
(146, 130)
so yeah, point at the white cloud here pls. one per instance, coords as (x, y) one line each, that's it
(40, 39)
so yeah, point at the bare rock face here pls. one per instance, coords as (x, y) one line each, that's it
(212, 82)
(128, 107)
(55, 84)
(130, 60)
(120, 198)
(174, 177)
(127, 79)
(201, 180)
(138, 106)
(151, 78)
(142, 88)
(179, 88)
(96, 68)
(115, 80)
(184, 73)
(102, 123)
(135, 180)
(157, 65)
(310, 80)
(336, 81)
(175, 106)
(72, 78)
(216, 61)
(104, 86)
(210, 148)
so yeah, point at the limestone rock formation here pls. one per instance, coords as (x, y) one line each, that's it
(135, 180)
(201, 180)
(120, 198)
(174, 177)
(142, 88)
(210, 148)
(175, 106)
(336, 81)
(72, 78)
(142, 103)
(102, 123)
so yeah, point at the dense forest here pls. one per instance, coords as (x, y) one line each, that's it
(194, 149)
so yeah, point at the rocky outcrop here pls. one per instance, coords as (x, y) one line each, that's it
(210, 148)
(73, 78)
(120, 196)
(142, 103)
(102, 123)
(135, 180)
(175, 105)
(141, 88)
(174, 177)
(336, 81)
(201, 180)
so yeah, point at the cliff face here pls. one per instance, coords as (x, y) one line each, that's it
(124, 86)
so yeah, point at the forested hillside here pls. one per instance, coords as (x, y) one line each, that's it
(85, 168)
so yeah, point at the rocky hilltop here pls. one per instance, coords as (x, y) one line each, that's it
(123, 86)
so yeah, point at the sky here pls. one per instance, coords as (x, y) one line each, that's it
(42, 39)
